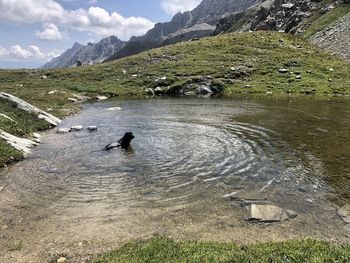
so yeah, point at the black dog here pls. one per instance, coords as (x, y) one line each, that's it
(123, 142)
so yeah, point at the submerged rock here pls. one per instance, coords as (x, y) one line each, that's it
(114, 109)
(344, 213)
(63, 130)
(267, 213)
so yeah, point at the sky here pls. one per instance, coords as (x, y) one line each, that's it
(33, 32)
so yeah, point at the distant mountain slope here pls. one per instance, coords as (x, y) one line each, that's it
(87, 54)
(325, 23)
(197, 23)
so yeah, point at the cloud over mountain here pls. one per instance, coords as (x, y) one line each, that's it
(18, 53)
(174, 6)
(95, 20)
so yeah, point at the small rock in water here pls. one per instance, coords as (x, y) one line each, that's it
(36, 135)
(344, 213)
(92, 128)
(267, 213)
(101, 97)
(62, 260)
(76, 128)
(298, 77)
(114, 109)
(63, 130)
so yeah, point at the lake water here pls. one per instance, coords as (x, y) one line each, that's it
(190, 158)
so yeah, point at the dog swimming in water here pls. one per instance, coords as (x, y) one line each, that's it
(123, 142)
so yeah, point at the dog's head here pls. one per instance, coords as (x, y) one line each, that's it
(128, 137)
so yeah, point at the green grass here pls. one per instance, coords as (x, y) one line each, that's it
(318, 21)
(161, 250)
(256, 56)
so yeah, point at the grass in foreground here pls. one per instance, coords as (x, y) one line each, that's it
(166, 250)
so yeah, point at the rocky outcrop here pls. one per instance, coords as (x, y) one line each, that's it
(87, 54)
(21, 144)
(198, 86)
(197, 23)
(335, 38)
(276, 15)
(23, 105)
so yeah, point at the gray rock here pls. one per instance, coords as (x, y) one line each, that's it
(150, 92)
(158, 91)
(92, 128)
(23, 105)
(344, 213)
(76, 128)
(63, 130)
(18, 143)
(267, 213)
(62, 260)
(114, 109)
(204, 90)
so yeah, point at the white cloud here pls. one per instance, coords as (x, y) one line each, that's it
(17, 53)
(95, 20)
(172, 7)
(50, 32)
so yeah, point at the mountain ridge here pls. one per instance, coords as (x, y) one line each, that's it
(91, 53)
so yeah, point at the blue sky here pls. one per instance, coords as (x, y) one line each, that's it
(34, 31)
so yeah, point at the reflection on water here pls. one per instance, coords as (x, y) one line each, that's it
(293, 152)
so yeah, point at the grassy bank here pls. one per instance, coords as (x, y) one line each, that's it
(240, 62)
(166, 250)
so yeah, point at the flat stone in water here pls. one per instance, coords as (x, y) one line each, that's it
(92, 128)
(267, 213)
(344, 213)
(114, 109)
(63, 130)
(76, 128)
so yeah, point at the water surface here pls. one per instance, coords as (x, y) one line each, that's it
(189, 157)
